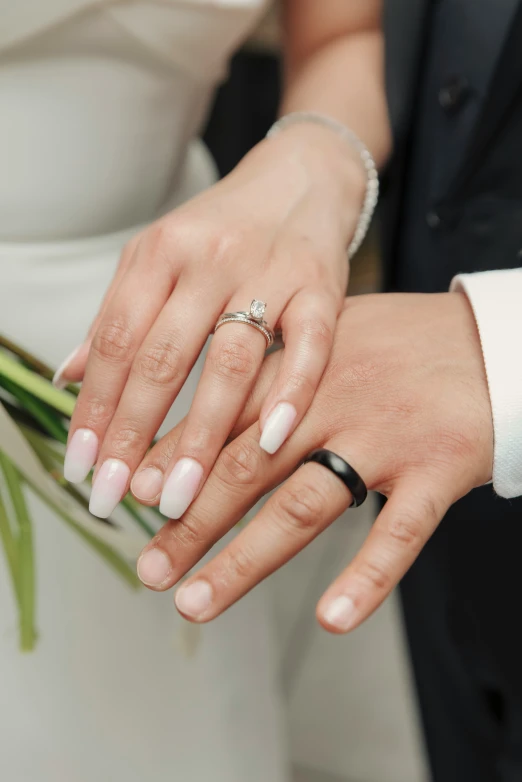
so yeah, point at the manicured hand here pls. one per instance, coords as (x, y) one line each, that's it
(276, 230)
(404, 400)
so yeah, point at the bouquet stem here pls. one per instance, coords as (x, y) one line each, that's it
(34, 420)
(22, 565)
(37, 386)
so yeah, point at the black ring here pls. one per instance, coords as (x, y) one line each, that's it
(345, 472)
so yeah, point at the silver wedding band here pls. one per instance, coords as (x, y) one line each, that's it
(252, 318)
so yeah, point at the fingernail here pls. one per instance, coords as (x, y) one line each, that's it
(80, 455)
(154, 567)
(58, 380)
(194, 599)
(277, 427)
(180, 488)
(146, 485)
(340, 613)
(109, 487)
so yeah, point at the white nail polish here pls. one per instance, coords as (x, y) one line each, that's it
(80, 455)
(277, 427)
(58, 380)
(340, 613)
(109, 487)
(180, 488)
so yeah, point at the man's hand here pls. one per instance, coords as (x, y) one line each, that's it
(404, 400)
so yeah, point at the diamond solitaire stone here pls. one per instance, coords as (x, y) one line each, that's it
(257, 309)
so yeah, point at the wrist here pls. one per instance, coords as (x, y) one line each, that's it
(328, 158)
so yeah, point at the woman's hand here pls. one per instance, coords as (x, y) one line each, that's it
(404, 400)
(276, 229)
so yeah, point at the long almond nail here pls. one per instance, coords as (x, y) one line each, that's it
(277, 427)
(180, 488)
(80, 455)
(58, 380)
(109, 487)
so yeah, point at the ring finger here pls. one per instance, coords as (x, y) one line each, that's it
(308, 325)
(232, 365)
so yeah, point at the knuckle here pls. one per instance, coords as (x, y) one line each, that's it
(96, 412)
(113, 341)
(239, 462)
(299, 383)
(239, 564)
(407, 530)
(157, 236)
(301, 509)
(363, 376)
(222, 246)
(186, 533)
(375, 574)
(132, 244)
(159, 239)
(160, 363)
(234, 359)
(457, 443)
(163, 451)
(315, 332)
(125, 439)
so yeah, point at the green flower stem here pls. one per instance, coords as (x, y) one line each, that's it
(45, 449)
(111, 557)
(38, 386)
(133, 509)
(51, 457)
(19, 416)
(40, 445)
(41, 412)
(52, 461)
(31, 361)
(26, 574)
(10, 548)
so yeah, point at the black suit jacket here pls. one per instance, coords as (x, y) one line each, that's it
(481, 210)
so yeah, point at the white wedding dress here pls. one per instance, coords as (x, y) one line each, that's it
(101, 104)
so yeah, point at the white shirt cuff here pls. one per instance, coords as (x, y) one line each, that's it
(496, 300)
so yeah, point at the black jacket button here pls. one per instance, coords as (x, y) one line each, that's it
(453, 93)
(433, 219)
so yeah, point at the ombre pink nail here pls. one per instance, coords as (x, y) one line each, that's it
(109, 487)
(180, 488)
(58, 380)
(277, 427)
(80, 455)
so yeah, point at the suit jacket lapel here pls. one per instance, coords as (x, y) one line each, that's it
(505, 84)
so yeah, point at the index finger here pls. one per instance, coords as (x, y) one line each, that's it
(302, 508)
(123, 326)
(241, 475)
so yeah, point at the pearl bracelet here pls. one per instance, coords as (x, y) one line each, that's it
(372, 177)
